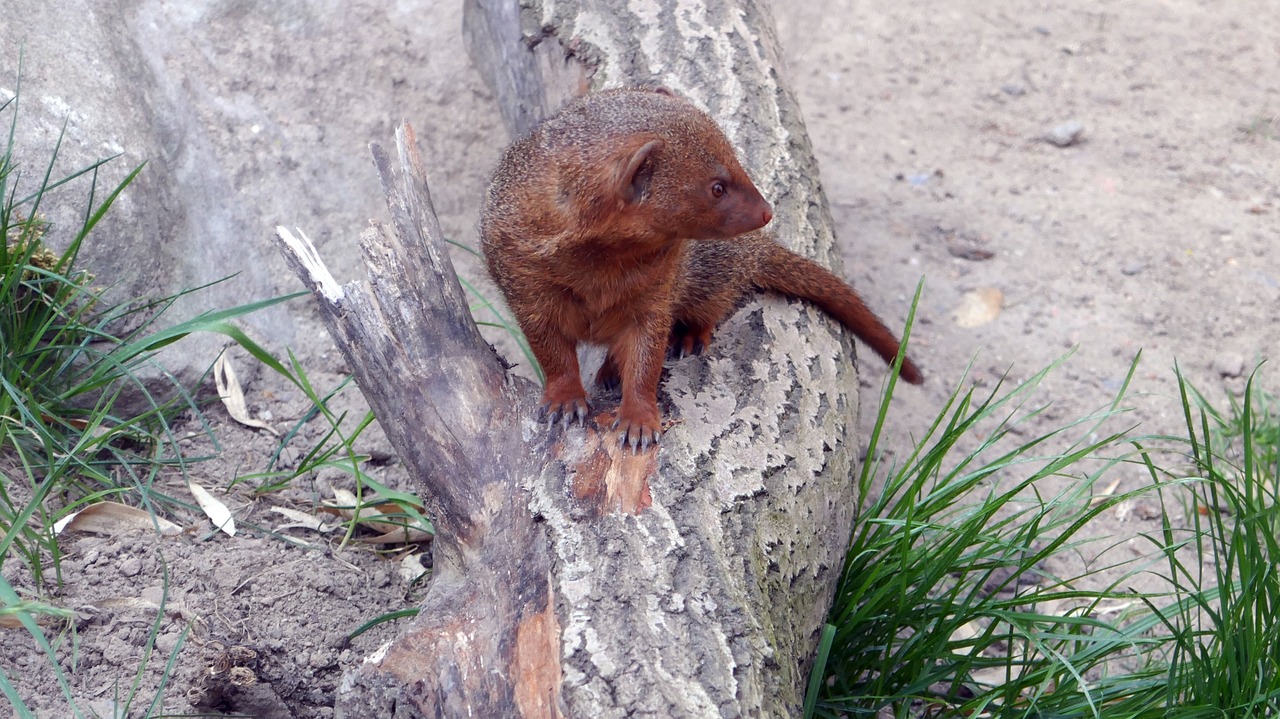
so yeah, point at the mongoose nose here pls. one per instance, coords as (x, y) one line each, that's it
(768, 215)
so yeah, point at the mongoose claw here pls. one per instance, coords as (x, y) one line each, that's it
(636, 436)
(565, 413)
(687, 344)
(680, 350)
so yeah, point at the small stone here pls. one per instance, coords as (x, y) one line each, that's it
(1229, 364)
(970, 252)
(154, 595)
(1013, 89)
(1065, 135)
(336, 640)
(130, 567)
(166, 642)
(1132, 268)
(322, 658)
(1042, 29)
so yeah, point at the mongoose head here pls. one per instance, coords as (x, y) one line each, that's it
(693, 184)
(671, 172)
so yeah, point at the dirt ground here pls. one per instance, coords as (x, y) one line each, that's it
(1153, 228)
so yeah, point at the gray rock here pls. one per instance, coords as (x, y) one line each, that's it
(1132, 268)
(1065, 135)
(130, 567)
(181, 223)
(1229, 364)
(248, 115)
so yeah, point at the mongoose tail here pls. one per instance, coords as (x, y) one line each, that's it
(787, 273)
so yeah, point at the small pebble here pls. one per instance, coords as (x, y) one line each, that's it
(1013, 89)
(1229, 364)
(154, 595)
(1066, 134)
(130, 567)
(1132, 268)
(1042, 29)
(336, 640)
(321, 658)
(973, 254)
(166, 642)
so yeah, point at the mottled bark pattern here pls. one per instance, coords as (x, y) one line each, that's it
(708, 603)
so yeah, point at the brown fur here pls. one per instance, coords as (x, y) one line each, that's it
(626, 220)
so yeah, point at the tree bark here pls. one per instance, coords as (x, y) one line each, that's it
(572, 578)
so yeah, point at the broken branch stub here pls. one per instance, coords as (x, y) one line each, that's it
(487, 633)
(439, 391)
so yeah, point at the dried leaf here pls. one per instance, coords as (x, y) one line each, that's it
(1106, 494)
(343, 499)
(1117, 608)
(129, 604)
(214, 509)
(112, 518)
(989, 677)
(229, 390)
(979, 307)
(393, 531)
(303, 520)
(966, 631)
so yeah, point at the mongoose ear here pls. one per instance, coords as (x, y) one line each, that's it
(635, 171)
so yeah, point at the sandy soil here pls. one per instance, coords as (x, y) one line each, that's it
(1154, 230)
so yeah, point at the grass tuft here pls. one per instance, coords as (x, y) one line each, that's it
(949, 604)
(67, 358)
(1224, 627)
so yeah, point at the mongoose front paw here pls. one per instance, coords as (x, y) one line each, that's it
(637, 434)
(566, 412)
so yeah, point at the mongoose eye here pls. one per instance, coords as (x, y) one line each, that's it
(718, 189)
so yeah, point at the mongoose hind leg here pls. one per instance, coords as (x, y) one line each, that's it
(689, 338)
(608, 375)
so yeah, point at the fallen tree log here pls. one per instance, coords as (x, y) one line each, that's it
(572, 578)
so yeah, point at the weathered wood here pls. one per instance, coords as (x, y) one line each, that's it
(710, 602)
(574, 579)
(487, 635)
